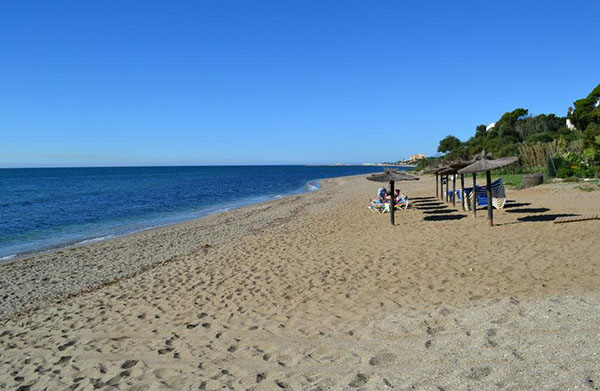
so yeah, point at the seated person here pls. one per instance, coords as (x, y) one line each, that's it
(382, 194)
(398, 197)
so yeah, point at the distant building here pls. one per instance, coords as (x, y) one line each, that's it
(570, 125)
(490, 126)
(417, 157)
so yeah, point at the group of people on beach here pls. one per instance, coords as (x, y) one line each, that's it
(383, 202)
(384, 195)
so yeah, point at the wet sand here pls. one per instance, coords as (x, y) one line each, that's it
(316, 292)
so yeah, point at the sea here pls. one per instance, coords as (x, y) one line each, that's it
(46, 208)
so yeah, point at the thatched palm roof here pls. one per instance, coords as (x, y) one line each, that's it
(458, 164)
(433, 170)
(453, 167)
(447, 171)
(488, 165)
(391, 176)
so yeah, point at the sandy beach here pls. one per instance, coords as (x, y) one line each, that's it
(317, 292)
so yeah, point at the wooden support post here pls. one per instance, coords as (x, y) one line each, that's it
(462, 190)
(488, 177)
(436, 185)
(392, 202)
(446, 193)
(474, 194)
(441, 188)
(454, 190)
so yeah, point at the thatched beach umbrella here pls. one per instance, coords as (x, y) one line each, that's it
(484, 162)
(445, 174)
(436, 171)
(457, 165)
(391, 176)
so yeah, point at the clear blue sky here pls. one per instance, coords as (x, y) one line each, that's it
(222, 82)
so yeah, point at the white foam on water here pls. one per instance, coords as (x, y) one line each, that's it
(312, 186)
(8, 257)
(92, 240)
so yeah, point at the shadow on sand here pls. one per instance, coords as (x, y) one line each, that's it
(528, 210)
(436, 210)
(444, 217)
(429, 207)
(440, 211)
(426, 202)
(540, 218)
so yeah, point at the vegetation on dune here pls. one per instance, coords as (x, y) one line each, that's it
(590, 187)
(560, 146)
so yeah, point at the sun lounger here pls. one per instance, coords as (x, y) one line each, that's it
(480, 195)
(384, 207)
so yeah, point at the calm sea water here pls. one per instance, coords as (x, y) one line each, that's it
(51, 207)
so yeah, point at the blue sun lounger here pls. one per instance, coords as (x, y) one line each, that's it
(480, 195)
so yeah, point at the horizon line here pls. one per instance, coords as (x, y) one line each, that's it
(195, 165)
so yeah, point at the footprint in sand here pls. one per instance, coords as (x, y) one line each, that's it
(129, 364)
(479, 373)
(63, 360)
(359, 381)
(383, 359)
(67, 345)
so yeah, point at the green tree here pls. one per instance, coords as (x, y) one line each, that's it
(543, 131)
(587, 110)
(449, 145)
(480, 130)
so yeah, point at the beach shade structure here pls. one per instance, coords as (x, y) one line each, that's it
(434, 171)
(391, 176)
(447, 172)
(438, 180)
(457, 165)
(485, 163)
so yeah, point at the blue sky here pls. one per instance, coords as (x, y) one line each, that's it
(262, 82)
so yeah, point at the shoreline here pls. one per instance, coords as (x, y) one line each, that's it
(45, 269)
(203, 214)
